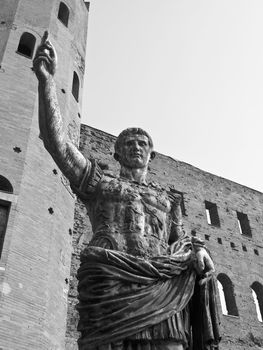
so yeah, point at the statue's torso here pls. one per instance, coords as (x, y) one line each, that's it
(130, 217)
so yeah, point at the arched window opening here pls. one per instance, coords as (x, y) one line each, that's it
(75, 86)
(222, 298)
(5, 185)
(257, 293)
(4, 212)
(226, 294)
(63, 13)
(26, 45)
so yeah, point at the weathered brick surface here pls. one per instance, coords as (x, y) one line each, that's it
(243, 268)
(35, 263)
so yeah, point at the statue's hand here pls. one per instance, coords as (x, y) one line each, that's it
(204, 265)
(45, 61)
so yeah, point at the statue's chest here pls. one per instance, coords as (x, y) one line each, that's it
(126, 193)
(133, 217)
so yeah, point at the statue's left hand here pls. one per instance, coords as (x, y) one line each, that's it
(204, 264)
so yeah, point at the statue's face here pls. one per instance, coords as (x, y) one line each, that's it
(135, 151)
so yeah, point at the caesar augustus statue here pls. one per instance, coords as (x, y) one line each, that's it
(137, 279)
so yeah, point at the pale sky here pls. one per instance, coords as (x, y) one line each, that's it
(190, 72)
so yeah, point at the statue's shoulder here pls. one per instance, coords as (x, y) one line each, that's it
(109, 176)
(157, 187)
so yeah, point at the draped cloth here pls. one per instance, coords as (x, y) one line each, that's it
(121, 295)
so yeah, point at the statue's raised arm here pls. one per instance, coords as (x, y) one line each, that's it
(68, 158)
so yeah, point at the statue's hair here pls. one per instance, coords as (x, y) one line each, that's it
(129, 132)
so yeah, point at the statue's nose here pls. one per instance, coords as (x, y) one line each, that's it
(136, 146)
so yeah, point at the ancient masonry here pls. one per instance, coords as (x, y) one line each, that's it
(36, 205)
(40, 241)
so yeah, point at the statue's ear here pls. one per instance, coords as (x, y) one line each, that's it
(116, 157)
(153, 154)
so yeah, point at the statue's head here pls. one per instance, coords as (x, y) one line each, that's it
(134, 148)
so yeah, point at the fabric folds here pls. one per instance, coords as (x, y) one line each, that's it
(121, 295)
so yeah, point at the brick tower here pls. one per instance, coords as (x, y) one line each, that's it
(36, 204)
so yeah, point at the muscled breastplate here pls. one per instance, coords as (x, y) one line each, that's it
(130, 217)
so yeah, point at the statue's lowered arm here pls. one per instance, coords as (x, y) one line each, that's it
(204, 264)
(68, 158)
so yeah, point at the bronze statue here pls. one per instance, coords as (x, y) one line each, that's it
(137, 277)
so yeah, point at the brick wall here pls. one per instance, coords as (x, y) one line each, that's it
(35, 262)
(242, 267)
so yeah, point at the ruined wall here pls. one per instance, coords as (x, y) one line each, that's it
(238, 256)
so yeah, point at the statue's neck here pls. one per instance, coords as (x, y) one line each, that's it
(138, 174)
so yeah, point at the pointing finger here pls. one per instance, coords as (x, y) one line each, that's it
(44, 38)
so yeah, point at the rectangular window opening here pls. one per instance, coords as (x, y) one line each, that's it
(212, 214)
(243, 224)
